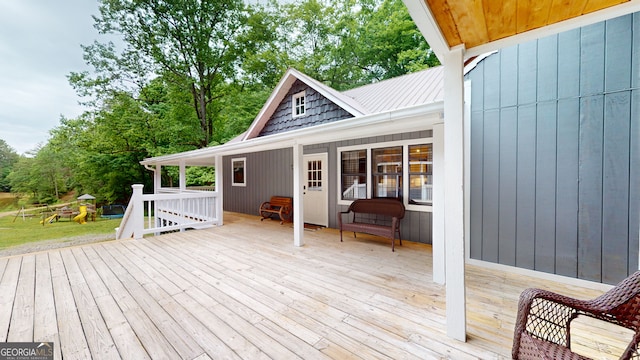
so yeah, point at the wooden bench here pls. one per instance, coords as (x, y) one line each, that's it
(389, 208)
(281, 205)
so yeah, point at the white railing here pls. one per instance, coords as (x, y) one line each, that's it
(355, 191)
(167, 212)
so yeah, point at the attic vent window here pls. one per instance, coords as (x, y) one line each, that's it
(299, 104)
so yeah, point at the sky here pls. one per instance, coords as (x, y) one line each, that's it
(39, 46)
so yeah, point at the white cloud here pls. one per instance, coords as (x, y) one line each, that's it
(39, 46)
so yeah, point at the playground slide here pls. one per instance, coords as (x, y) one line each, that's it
(50, 219)
(82, 217)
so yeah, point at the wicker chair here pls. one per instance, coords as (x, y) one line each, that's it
(544, 318)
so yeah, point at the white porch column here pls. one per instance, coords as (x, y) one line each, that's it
(219, 189)
(157, 179)
(438, 246)
(183, 176)
(454, 192)
(137, 216)
(298, 176)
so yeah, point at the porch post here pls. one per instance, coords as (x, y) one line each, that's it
(438, 253)
(137, 216)
(298, 175)
(454, 192)
(183, 176)
(157, 178)
(219, 184)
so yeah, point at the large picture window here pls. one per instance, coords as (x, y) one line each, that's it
(353, 166)
(420, 174)
(239, 172)
(387, 172)
(398, 169)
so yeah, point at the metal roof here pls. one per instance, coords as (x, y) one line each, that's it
(417, 88)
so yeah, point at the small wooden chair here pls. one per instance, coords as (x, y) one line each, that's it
(543, 324)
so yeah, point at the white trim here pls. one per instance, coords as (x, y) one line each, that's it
(405, 169)
(244, 172)
(298, 200)
(454, 194)
(219, 184)
(467, 168)
(415, 118)
(294, 106)
(571, 281)
(437, 213)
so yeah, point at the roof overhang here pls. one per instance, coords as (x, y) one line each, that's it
(410, 119)
(488, 25)
(281, 90)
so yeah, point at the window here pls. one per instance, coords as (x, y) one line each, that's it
(420, 174)
(396, 169)
(387, 172)
(299, 104)
(354, 174)
(314, 175)
(238, 174)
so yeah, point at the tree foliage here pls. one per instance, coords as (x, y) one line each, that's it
(8, 158)
(185, 74)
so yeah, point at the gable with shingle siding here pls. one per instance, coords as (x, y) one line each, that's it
(319, 110)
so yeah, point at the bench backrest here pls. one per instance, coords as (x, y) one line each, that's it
(379, 206)
(280, 201)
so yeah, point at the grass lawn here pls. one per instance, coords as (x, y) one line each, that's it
(31, 230)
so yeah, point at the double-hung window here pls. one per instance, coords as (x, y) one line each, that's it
(299, 104)
(387, 172)
(353, 169)
(420, 174)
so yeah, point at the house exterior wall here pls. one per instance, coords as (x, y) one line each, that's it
(319, 110)
(555, 153)
(270, 173)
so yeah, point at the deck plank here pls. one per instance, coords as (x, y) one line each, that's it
(175, 336)
(45, 323)
(243, 291)
(121, 331)
(21, 327)
(95, 330)
(8, 286)
(73, 343)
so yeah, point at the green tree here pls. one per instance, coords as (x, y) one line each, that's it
(8, 157)
(192, 42)
(43, 176)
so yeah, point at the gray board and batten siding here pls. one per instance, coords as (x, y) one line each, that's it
(270, 173)
(555, 153)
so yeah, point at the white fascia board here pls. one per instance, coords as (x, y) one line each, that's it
(415, 118)
(428, 26)
(570, 24)
(276, 97)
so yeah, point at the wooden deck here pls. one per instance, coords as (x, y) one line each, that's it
(243, 291)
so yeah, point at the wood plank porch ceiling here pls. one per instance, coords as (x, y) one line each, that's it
(243, 291)
(478, 22)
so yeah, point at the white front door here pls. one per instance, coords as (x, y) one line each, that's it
(316, 192)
